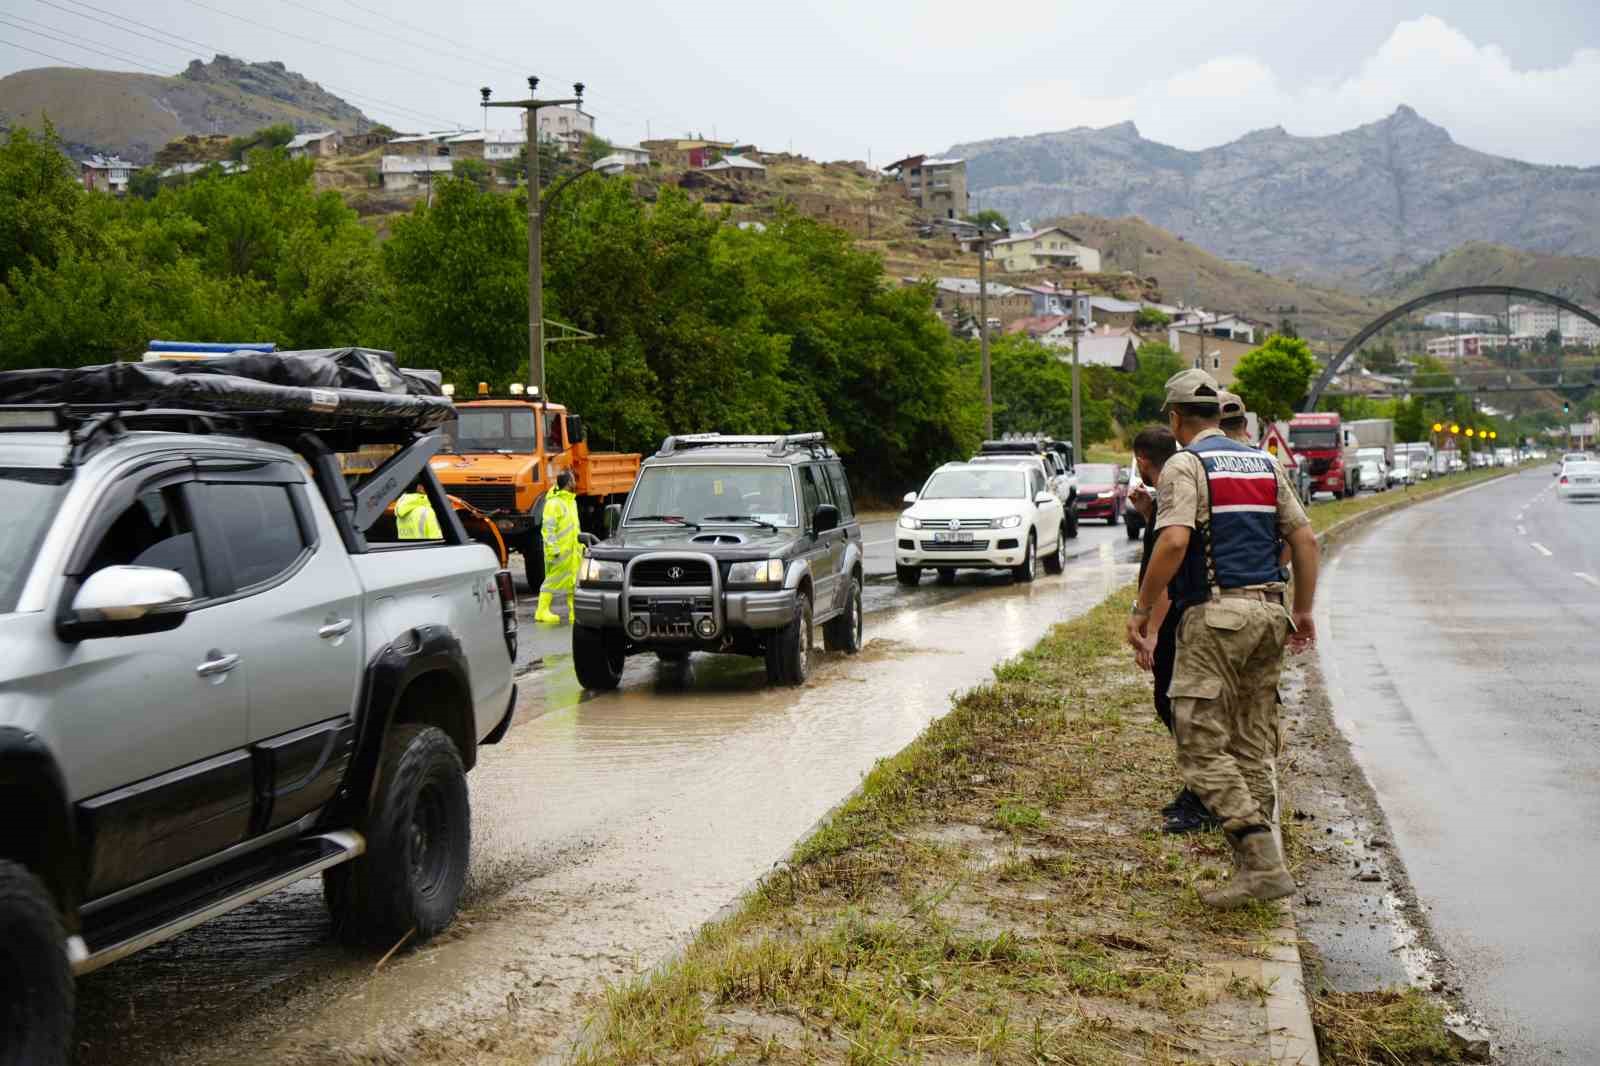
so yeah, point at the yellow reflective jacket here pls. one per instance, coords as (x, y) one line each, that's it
(414, 518)
(560, 534)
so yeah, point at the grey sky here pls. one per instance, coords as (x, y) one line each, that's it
(838, 79)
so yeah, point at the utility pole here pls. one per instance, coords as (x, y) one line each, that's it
(1077, 410)
(983, 336)
(530, 108)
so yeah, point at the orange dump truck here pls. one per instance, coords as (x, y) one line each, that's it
(503, 457)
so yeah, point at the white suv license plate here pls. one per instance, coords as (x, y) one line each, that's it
(952, 537)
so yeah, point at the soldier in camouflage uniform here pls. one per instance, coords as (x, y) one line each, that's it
(1224, 510)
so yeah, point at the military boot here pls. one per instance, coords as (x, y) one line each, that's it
(572, 613)
(1259, 872)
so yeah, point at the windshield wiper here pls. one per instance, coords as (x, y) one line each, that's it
(739, 518)
(670, 519)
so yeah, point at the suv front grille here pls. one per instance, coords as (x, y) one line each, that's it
(486, 497)
(940, 546)
(671, 573)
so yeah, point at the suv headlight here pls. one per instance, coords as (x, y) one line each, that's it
(756, 572)
(1010, 521)
(600, 572)
(907, 522)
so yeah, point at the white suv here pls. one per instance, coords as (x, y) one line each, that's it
(981, 517)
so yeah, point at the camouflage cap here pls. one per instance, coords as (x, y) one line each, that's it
(1193, 387)
(1231, 406)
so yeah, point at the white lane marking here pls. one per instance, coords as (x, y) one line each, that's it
(1590, 578)
(1541, 549)
(877, 543)
(1522, 531)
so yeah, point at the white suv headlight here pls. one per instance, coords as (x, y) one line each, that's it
(600, 572)
(1010, 521)
(756, 572)
(907, 522)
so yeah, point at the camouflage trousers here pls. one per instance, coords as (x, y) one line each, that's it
(1225, 708)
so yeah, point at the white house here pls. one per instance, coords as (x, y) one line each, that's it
(1051, 248)
(569, 126)
(492, 146)
(317, 144)
(737, 166)
(102, 173)
(397, 172)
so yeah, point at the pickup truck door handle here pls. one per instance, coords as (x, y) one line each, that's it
(220, 665)
(335, 629)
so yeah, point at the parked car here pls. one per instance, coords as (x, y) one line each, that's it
(981, 516)
(737, 545)
(1573, 457)
(1055, 457)
(225, 672)
(1102, 491)
(1579, 481)
(1369, 476)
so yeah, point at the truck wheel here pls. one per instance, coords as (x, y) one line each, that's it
(36, 992)
(844, 632)
(597, 656)
(1111, 519)
(908, 576)
(1028, 568)
(1072, 520)
(419, 840)
(1056, 561)
(789, 648)
(533, 562)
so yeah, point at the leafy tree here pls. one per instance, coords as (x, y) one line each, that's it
(474, 170)
(1286, 327)
(595, 148)
(1151, 318)
(44, 214)
(1380, 358)
(1411, 421)
(275, 136)
(1273, 379)
(989, 217)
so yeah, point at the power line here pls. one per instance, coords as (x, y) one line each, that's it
(124, 57)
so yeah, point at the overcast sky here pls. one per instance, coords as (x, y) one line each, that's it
(852, 78)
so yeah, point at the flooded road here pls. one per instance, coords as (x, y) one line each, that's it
(606, 830)
(1458, 643)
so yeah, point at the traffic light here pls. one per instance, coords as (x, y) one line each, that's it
(1566, 408)
(1438, 427)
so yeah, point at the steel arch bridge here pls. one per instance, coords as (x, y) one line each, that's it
(1354, 343)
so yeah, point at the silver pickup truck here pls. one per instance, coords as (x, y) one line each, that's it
(225, 672)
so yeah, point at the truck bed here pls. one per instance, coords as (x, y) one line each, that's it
(607, 473)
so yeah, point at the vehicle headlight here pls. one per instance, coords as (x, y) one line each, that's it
(907, 522)
(756, 572)
(600, 572)
(1010, 521)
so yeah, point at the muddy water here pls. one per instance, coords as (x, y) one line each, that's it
(606, 830)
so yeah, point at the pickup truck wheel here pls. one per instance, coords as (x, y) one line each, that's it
(789, 648)
(419, 840)
(1028, 568)
(1072, 520)
(844, 632)
(597, 656)
(36, 992)
(1056, 561)
(908, 576)
(533, 563)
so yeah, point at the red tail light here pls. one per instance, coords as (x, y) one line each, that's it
(1563, 479)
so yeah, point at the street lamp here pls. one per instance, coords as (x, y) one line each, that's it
(1454, 429)
(1438, 427)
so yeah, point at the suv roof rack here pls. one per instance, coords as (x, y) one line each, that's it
(777, 446)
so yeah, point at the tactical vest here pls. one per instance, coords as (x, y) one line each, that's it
(1238, 545)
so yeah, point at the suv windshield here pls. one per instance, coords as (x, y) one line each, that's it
(32, 496)
(1320, 439)
(977, 483)
(492, 429)
(691, 492)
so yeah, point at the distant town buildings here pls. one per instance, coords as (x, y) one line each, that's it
(1052, 248)
(1458, 345)
(1464, 322)
(492, 146)
(318, 144)
(399, 172)
(106, 173)
(939, 186)
(1535, 321)
(739, 168)
(570, 127)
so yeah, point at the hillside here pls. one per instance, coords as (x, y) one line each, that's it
(136, 114)
(1575, 277)
(1364, 206)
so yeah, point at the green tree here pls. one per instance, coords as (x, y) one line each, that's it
(595, 148)
(1274, 378)
(44, 213)
(474, 170)
(275, 136)
(989, 217)
(1380, 358)
(1151, 318)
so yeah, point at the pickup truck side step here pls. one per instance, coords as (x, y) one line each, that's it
(145, 920)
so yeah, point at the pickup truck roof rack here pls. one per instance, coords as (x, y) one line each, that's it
(776, 446)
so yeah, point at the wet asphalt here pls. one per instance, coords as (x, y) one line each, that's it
(606, 829)
(1458, 640)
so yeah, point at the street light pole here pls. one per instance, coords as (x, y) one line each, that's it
(983, 337)
(531, 108)
(1077, 410)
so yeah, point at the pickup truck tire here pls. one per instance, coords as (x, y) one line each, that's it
(419, 842)
(844, 632)
(597, 656)
(1028, 569)
(1056, 561)
(36, 991)
(1072, 519)
(533, 562)
(789, 648)
(909, 576)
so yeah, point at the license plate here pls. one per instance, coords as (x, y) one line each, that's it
(952, 537)
(669, 612)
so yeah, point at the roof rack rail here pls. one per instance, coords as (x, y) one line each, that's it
(777, 445)
(782, 445)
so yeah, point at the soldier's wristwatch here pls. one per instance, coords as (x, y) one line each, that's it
(1140, 612)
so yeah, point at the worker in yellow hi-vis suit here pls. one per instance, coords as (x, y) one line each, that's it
(414, 518)
(560, 533)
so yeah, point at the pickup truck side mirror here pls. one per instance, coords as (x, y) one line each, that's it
(825, 519)
(613, 517)
(910, 498)
(121, 601)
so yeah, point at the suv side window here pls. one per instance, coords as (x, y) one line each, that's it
(154, 530)
(1036, 483)
(810, 497)
(841, 492)
(260, 531)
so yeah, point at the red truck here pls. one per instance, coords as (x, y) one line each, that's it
(1321, 441)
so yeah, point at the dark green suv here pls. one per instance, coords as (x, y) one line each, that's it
(726, 544)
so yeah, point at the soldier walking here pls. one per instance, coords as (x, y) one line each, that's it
(1223, 511)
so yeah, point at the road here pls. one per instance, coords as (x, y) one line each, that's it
(1458, 638)
(606, 830)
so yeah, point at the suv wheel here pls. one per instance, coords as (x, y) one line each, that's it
(908, 575)
(1028, 568)
(947, 575)
(597, 656)
(1072, 519)
(1056, 561)
(419, 840)
(789, 648)
(844, 632)
(533, 562)
(36, 993)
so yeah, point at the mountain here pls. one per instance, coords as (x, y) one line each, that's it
(1361, 207)
(134, 115)
(1575, 277)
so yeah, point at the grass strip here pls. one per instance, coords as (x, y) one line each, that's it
(1396, 1027)
(1325, 513)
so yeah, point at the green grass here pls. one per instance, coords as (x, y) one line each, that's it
(1386, 1028)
